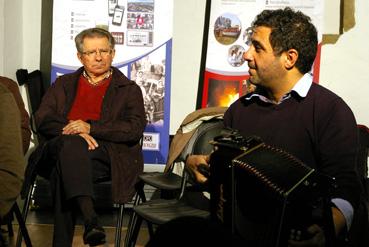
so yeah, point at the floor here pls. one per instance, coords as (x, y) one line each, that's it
(40, 218)
(40, 227)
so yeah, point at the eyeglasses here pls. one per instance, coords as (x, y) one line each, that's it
(101, 52)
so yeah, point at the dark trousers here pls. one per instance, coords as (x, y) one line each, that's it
(75, 170)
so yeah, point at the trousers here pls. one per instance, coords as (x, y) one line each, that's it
(75, 169)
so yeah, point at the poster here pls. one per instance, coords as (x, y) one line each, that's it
(143, 33)
(226, 73)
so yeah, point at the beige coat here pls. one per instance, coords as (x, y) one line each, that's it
(26, 129)
(11, 151)
(188, 128)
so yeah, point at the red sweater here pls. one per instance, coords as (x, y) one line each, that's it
(88, 100)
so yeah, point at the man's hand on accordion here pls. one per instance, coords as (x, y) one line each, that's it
(316, 234)
(198, 166)
(317, 238)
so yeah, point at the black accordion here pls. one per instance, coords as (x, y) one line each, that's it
(264, 195)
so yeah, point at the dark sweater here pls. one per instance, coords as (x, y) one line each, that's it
(319, 129)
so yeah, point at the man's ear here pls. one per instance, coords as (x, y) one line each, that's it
(79, 56)
(112, 53)
(291, 57)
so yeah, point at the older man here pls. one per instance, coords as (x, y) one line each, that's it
(93, 120)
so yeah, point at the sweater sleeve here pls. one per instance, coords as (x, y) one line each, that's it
(337, 147)
(49, 121)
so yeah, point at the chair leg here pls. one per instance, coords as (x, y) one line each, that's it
(25, 210)
(131, 221)
(141, 192)
(10, 229)
(142, 196)
(118, 230)
(2, 240)
(22, 225)
(150, 228)
(132, 238)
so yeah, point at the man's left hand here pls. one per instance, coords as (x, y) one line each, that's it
(317, 239)
(92, 143)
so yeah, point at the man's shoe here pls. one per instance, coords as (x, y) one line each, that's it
(94, 234)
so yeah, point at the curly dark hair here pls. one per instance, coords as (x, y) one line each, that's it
(290, 30)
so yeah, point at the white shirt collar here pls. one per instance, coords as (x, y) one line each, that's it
(301, 88)
(303, 85)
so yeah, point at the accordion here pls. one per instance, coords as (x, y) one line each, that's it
(264, 195)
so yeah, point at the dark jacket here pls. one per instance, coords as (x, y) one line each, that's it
(120, 127)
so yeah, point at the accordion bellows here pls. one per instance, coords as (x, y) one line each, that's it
(278, 170)
(265, 195)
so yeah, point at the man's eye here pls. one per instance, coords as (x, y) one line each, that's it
(90, 53)
(104, 52)
(257, 47)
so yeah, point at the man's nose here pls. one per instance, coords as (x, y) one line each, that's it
(246, 55)
(98, 55)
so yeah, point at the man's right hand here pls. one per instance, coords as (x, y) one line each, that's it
(196, 164)
(75, 127)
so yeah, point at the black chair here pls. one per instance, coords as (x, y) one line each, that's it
(362, 161)
(183, 144)
(27, 196)
(36, 90)
(358, 234)
(22, 226)
(160, 211)
(169, 180)
(8, 220)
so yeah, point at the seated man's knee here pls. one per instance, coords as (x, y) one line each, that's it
(72, 142)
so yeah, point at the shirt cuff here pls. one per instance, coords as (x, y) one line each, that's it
(346, 209)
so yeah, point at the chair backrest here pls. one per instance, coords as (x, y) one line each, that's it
(358, 233)
(36, 91)
(188, 127)
(199, 143)
(35, 86)
(362, 159)
(200, 140)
